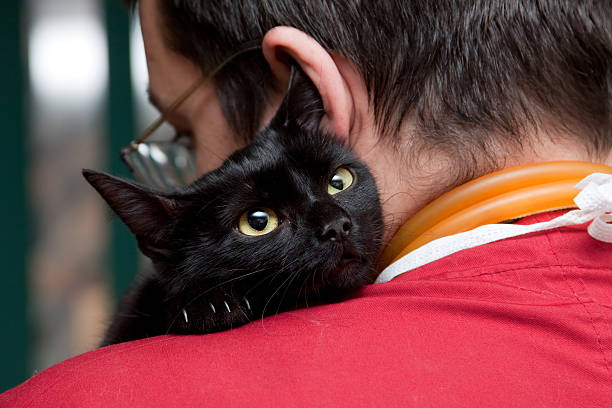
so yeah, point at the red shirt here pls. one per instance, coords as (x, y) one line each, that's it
(524, 322)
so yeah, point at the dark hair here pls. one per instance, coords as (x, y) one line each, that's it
(473, 74)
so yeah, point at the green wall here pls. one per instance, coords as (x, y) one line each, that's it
(15, 237)
(13, 206)
(121, 130)
(15, 231)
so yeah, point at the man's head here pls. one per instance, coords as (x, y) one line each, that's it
(459, 88)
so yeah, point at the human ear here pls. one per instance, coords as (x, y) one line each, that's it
(283, 43)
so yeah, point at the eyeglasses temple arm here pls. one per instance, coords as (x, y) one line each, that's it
(179, 101)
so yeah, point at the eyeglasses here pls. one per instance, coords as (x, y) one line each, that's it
(168, 164)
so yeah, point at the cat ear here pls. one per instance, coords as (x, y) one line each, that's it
(282, 44)
(302, 104)
(150, 215)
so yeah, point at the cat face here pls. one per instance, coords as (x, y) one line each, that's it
(299, 212)
(294, 217)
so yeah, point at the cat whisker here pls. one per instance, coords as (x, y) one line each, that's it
(306, 305)
(271, 277)
(245, 315)
(210, 289)
(302, 287)
(263, 313)
(294, 275)
(316, 110)
(315, 287)
(306, 292)
(224, 283)
(314, 273)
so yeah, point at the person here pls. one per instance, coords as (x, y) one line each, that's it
(431, 95)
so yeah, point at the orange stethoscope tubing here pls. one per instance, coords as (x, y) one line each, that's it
(500, 196)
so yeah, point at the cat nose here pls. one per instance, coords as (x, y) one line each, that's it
(335, 230)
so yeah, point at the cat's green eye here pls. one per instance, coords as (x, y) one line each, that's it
(340, 181)
(259, 221)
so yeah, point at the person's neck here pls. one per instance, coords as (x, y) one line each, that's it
(501, 196)
(417, 186)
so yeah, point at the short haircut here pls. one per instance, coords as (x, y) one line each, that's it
(473, 74)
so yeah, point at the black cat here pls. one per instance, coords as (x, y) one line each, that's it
(290, 220)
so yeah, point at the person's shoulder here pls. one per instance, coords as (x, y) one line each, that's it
(471, 329)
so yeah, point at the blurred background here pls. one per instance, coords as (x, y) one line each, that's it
(74, 81)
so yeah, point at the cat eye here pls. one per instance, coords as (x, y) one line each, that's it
(340, 181)
(259, 221)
